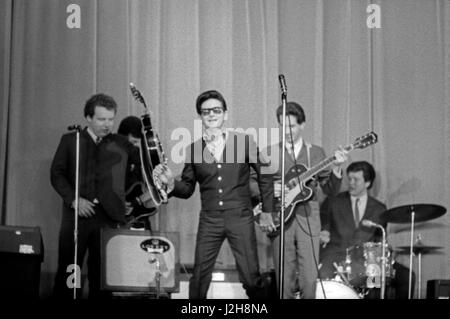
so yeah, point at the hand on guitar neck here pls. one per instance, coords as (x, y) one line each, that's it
(164, 174)
(341, 157)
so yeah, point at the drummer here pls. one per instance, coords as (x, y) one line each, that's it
(341, 218)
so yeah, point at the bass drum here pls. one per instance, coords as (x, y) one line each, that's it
(335, 290)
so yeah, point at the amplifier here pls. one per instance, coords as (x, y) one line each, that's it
(438, 289)
(21, 255)
(139, 261)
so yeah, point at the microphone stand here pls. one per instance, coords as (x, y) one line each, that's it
(282, 211)
(77, 128)
(383, 263)
(369, 223)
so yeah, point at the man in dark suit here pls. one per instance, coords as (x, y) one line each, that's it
(104, 162)
(343, 235)
(220, 162)
(301, 240)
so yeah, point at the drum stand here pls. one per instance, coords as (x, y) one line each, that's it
(383, 264)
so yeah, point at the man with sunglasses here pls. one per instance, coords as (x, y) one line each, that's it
(220, 163)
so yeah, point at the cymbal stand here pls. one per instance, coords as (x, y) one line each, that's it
(411, 252)
(419, 266)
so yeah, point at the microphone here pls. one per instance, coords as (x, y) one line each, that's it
(282, 84)
(369, 223)
(74, 127)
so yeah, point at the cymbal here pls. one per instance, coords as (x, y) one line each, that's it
(418, 249)
(422, 212)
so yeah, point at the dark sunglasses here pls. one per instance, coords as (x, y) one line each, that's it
(215, 110)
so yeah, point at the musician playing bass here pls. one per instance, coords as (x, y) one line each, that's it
(299, 256)
(138, 202)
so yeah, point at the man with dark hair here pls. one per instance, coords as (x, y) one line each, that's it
(302, 231)
(342, 230)
(131, 127)
(225, 196)
(104, 161)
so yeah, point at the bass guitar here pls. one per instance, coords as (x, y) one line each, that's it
(141, 201)
(298, 176)
(151, 153)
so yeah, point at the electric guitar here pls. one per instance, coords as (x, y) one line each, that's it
(151, 153)
(298, 176)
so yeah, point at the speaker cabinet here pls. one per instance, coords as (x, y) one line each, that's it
(438, 289)
(21, 255)
(135, 261)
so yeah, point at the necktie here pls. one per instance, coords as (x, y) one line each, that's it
(98, 140)
(356, 212)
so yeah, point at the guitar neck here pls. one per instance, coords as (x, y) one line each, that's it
(321, 165)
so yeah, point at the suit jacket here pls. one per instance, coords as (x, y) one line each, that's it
(224, 184)
(337, 218)
(103, 169)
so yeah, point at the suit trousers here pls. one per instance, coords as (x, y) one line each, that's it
(236, 225)
(88, 241)
(301, 250)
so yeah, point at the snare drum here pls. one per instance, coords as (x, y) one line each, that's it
(335, 290)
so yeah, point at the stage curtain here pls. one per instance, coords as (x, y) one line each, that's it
(350, 79)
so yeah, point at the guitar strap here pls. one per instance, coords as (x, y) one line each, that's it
(308, 147)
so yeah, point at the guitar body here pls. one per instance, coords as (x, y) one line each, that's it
(302, 196)
(139, 198)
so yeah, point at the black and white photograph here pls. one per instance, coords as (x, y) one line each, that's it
(226, 154)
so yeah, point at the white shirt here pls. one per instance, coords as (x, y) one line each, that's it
(216, 144)
(361, 205)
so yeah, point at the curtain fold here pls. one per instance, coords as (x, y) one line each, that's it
(349, 78)
(5, 62)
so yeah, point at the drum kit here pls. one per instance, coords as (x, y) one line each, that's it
(362, 269)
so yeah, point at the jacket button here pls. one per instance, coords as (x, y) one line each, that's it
(219, 166)
(220, 203)
(220, 190)
(219, 178)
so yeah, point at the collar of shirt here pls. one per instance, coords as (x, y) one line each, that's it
(297, 146)
(210, 138)
(92, 134)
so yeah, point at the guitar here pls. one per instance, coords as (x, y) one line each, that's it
(140, 200)
(298, 176)
(151, 153)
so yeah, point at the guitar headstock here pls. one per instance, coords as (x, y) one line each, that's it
(365, 140)
(137, 95)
